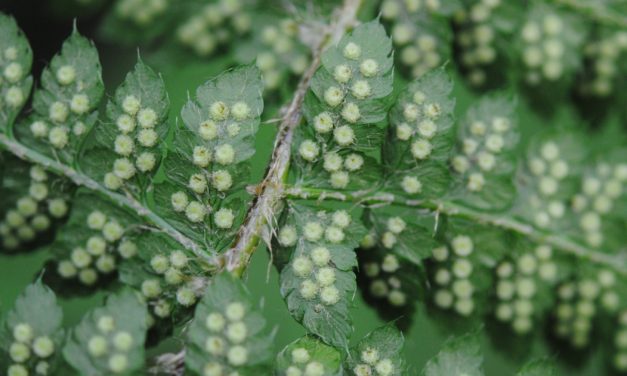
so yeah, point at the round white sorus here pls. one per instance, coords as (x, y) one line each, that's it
(146, 162)
(287, 236)
(213, 369)
(308, 150)
(440, 253)
(353, 162)
(66, 74)
(385, 367)
(443, 298)
(196, 211)
(17, 370)
(494, 143)
(224, 154)
(432, 110)
(341, 218)
(125, 123)
(526, 287)
(14, 96)
(232, 129)
(123, 341)
(223, 218)
(40, 222)
(320, 256)
(88, 276)
(411, 185)
(179, 201)
(151, 288)
(369, 68)
(371, 269)
(325, 276)
(462, 268)
(527, 264)
(476, 181)
(378, 288)
(462, 245)
(13, 72)
(215, 345)
(361, 89)
(300, 355)
(312, 231)
(351, 113)
(486, 161)
(329, 295)
(421, 149)
(159, 264)
(344, 135)
(323, 122)
(333, 96)
(26, 206)
(388, 239)
(112, 231)
(352, 51)
(162, 308)
(442, 277)
(173, 276)
(302, 266)
(334, 234)
(131, 105)
(106, 324)
(410, 112)
(235, 311)
(97, 346)
(390, 264)
(237, 355)
(470, 146)
(460, 164)
(396, 225)
(147, 137)
(19, 352)
(404, 132)
(179, 259)
(124, 169)
(57, 208)
(59, 137)
(208, 130)
(308, 289)
(339, 179)
(332, 161)
(427, 128)
(221, 180)
(118, 363)
(198, 183)
(185, 296)
(342, 73)
(39, 129)
(402, 33)
(147, 118)
(23, 332)
(96, 220)
(465, 306)
(370, 355)
(215, 322)
(236, 332)
(79, 104)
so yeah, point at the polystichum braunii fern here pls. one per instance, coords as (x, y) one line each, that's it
(375, 184)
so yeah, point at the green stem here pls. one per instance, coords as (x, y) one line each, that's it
(451, 209)
(595, 10)
(125, 201)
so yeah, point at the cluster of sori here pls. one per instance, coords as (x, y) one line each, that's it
(29, 351)
(372, 364)
(174, 283)
(475, 39)
(109, 347)
(420, 127)
(601, 187)
(33, 212)
(281, 53)
(12, 77)
(549, 47)
(383, 283)
(452, 276)
(420, 36)
(215, 24)
(215, 153)
(381, 269)
(604, 56)
(303, 365)
(578, 302)
(68, 113)
(141, 12)
(484, 139)
(125, 147)
(314, 264)
(620, 343)
(516, 286)
(98, 256)
(548, 169)
(225, 343)
(352, 83)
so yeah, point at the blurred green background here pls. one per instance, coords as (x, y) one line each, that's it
(423, 340)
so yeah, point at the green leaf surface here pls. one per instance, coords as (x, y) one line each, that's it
(227, 333)
(538, 367)
(461, 355)
(109, 339)
(16, 58)
(309, 354)
(380, 351)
